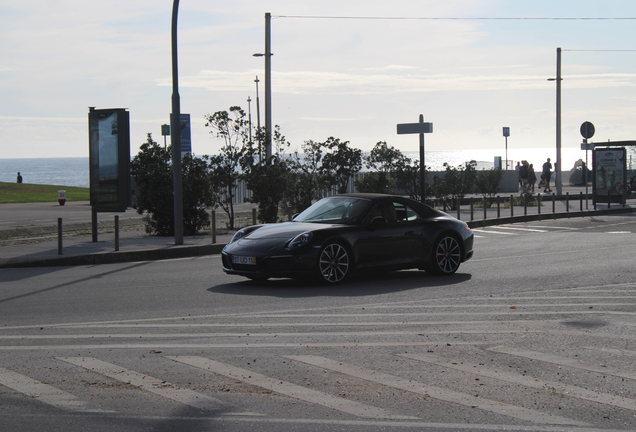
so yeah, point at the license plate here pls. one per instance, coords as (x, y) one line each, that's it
(243, 260)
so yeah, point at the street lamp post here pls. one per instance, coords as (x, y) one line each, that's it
(558, 137)
(268, 86)
(557, 164)
(258, 122)
(249, 115)
(175, 135)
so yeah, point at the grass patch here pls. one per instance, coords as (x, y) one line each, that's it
(27, 193)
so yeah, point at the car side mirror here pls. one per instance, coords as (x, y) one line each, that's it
(294, 216)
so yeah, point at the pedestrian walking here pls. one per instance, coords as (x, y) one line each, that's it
(19, 178)
(523, 174)
(547, 168)
(517, 168)
(532, 177)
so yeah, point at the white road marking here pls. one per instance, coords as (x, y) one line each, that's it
(560, 388)
(435, 392)
(148, 383)
(43, 392)
(249, 345)
(493, 232)
(564, 361)
(507, 311)
(556, 227)
(614, 351)
(288, 388)
(506, 227)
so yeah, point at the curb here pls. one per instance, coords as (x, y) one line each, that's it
(71, 227)
(115, 257)
(547, 216)
(211, 249)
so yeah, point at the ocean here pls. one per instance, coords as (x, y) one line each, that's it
(74, 171)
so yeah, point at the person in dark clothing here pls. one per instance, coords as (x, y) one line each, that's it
(532, 177)
(523, 174)
(19, 179)
(547, 167)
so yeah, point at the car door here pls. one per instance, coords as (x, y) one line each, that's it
(392, 240)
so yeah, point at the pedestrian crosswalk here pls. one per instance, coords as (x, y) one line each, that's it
(509, 230)
(60, 399)
(478, 357)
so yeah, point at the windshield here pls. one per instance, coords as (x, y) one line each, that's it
(344, 210)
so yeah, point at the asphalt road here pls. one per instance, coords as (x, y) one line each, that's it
(535, 333)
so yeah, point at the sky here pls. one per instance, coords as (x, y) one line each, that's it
(351, 69)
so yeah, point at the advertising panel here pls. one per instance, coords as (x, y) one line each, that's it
(186, 141)
(610, 175)
(109, 158)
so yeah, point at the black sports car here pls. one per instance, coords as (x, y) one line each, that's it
(343, 234)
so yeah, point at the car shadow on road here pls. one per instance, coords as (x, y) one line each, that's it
(365, 285)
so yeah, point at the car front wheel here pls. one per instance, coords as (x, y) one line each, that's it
(447, 255)
(334, 263)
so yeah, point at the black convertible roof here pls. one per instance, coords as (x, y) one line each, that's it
(422, 208)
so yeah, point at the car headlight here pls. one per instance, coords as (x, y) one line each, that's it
(300, 240)
(238, 235)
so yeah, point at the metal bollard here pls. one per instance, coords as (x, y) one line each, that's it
(498, 207)
(94, 226)
(253, 216)
(553, 203)
(444, 204)
(116, 233)
(525, 205)
(459, 204)
(581, 201)
(567, 202)
(539, 203)
(485, 215)
(512, 205)
(289, 214)
(213, 226)
(59, 236)
(472, 207)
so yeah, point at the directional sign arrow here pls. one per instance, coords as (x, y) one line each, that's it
(414, 128)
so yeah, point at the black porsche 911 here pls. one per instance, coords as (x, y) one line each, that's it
(344, 234)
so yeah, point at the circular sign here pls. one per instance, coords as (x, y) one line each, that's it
(587, 130)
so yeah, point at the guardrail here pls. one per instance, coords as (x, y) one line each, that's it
(484, 211)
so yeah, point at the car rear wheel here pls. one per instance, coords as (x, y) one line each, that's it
(334, 263)
(447, 255)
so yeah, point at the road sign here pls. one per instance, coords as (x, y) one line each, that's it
(587, 146)
(414, 128)
(506, 131)
(418, 128)
(587, 130)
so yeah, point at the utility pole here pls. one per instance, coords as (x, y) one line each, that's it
(558, 167)
(175, 134)
(268, 87)
(258, 122)
(249, 115)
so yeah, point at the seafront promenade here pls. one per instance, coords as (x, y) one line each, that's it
(29, 232)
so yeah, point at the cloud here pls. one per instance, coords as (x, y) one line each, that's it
(347, 83)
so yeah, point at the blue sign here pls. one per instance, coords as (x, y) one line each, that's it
(186, 142)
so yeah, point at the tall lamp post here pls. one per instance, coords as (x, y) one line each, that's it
(557, 165)
(249, 115)
(268, 86)
(175, 134)
(258, 122)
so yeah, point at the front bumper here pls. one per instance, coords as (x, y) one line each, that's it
(271, 266)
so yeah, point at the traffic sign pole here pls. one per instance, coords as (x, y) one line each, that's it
(418, 128)
(587, 131)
